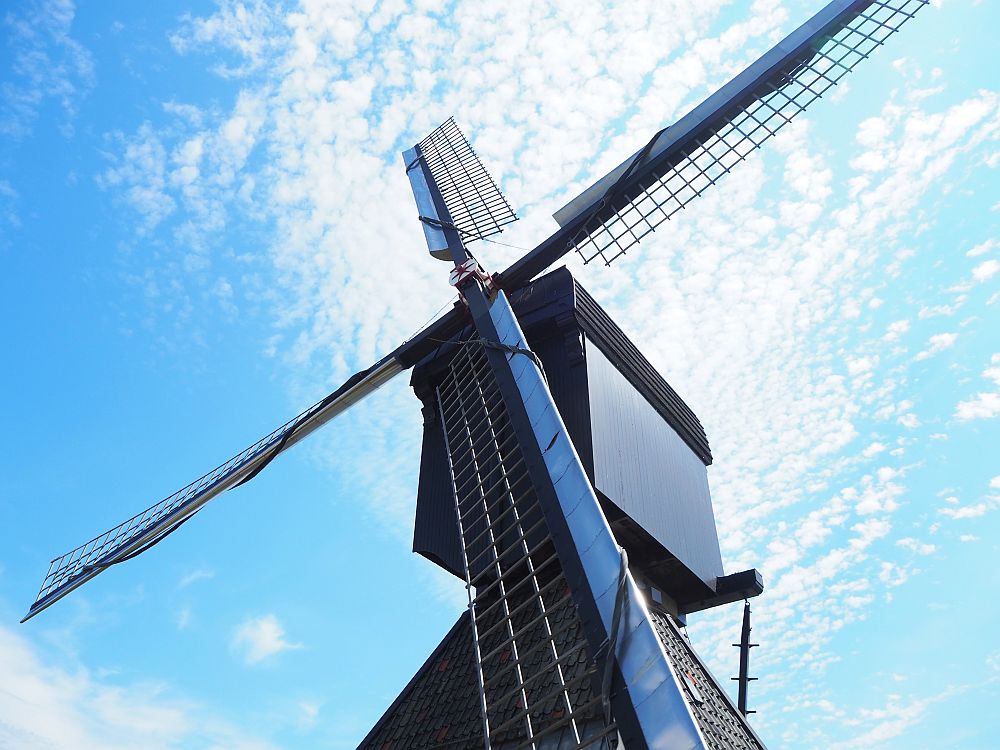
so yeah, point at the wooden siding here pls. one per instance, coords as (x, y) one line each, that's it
(610, 339)
(648, 471)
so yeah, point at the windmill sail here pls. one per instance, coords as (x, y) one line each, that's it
(542, 565)
(566, 652)
(133, 536)
(464, 204)
(687, 158)
(474, 202)
(550, 594)
(533, 666)
(471, 207)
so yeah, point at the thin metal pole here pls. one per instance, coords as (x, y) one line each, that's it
(744, 646)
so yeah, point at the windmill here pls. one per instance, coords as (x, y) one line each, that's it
(583, 544)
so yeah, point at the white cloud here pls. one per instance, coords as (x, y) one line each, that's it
(955, 510)
(259, 638)
(938, 343)
(248, 30)
(986, 270)
(885, 473)
(873, 450)
(916, 546)
(981, 406)
(140, 176)
(981, 249)
(860, 365)
(896, 329)
(985, 404)
(893, 575)
(47, 707)
(935, 310)
(966, 511)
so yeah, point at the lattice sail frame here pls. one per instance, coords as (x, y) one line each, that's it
(533, 664)
(715, 151)
(477, 207)
(104, 548)
(645, 694)
(74, 568)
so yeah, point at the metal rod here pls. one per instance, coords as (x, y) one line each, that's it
(744, 646)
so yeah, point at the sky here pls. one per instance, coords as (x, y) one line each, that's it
(205, 226)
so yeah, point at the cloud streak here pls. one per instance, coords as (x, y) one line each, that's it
(201, 574)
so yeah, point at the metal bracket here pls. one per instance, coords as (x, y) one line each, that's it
(470, 269)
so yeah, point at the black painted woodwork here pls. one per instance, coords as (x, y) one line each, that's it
(654, 494)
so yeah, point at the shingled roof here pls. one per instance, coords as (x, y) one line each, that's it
(439, 708)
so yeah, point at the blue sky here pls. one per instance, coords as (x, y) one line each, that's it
(205, 227)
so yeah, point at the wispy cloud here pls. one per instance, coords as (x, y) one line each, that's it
(309, 714)
(44, 63)
(876, 726)
(955, 510)
(182, 619)
(201, 574)
(46, 706)
(981, 249)
(916, 546)
(935, 310)
(247, 30)
(259, 638)
(896, 329)
(8, 205)
(966, 511)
